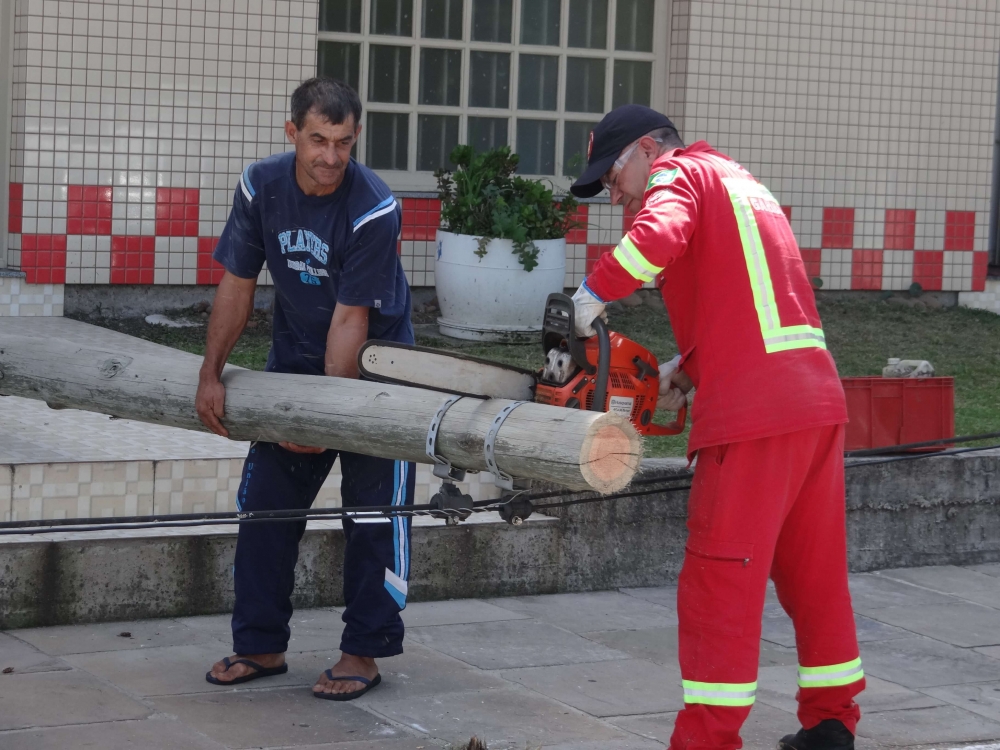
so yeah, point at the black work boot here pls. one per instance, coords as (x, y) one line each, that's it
(829, 734)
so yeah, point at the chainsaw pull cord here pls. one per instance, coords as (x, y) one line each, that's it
(603, 364)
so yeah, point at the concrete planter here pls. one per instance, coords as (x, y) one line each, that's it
(493, 298)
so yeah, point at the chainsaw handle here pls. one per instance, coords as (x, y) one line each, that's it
(603, 364)
(674, 428)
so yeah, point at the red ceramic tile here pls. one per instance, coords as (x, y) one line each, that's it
(787, 211)
(209, 270)
(959, 230)
(900, 228)
(928, 269)
(866, 269)
(980, 265)
(812, 258)
(838, 228)
(578, 236)
(43, 258)
(594, 252)
(177, 212)
(627, 218)
(133, 259)
(15, 207)
(88, 209)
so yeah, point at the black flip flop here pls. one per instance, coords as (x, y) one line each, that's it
(262, 671)
(368, 685)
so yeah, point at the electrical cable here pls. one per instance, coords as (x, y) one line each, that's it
(870, 457)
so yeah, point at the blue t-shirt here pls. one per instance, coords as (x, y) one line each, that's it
(320, 250)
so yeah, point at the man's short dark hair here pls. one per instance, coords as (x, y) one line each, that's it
(329, 98)
(667, 136)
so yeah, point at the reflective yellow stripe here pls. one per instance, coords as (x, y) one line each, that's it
(777, 338)
(633, 261)
(831, 676)
(720, 693)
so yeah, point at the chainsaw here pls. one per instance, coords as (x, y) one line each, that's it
(607, 372)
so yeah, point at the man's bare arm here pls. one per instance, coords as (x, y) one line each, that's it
(230, 313)
(348, 331)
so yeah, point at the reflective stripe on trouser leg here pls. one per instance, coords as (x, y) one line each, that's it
(720, 693)
(833, 675)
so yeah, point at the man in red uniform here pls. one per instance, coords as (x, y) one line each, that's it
(767, 425)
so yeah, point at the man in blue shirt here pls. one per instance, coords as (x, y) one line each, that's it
(327, 228)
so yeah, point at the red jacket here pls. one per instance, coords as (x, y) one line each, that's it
(741, 306)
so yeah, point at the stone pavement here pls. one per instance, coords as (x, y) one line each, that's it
(594, 671)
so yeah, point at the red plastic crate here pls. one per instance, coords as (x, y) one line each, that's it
(896, 411)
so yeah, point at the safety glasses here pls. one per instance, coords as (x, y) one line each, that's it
(610, 180)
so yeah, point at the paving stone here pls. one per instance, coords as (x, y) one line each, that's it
(50, 699)
(456, 612)
(658, 645)
(946, 579)
(156, 733)
(981, 698)
(939, 724)
(991, 651)
(959, 623)
(777, 628)
(508, 719)
(417, 671)
(85, 639)
(401, 744)
(512, 644)
(275, 718)
(871, 591)
(607, 688)
(582, 613)
(626, 742)
(920, 662)
(762, 729)
(990, 569)
(776, 686)
(171, 670)
(665, 596)
(312, 629)
(23, 657)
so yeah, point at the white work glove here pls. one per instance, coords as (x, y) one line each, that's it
(587, 307)
(671, 398)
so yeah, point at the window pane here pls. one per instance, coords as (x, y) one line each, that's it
(440, 76)
(540, 22)
(537, 82)
(489, 79)
(632, 83)
(437, 135)
(491, 20)
(584, 84)
(392, 17)
(576, 138)
(443, 19)
(340, 15)
(389, 74)
(388, 136)
(588, 23)
(634, 25)
(487, 133)
(340, 60)
(536, 145)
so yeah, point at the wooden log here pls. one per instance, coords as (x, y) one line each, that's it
(70, 364)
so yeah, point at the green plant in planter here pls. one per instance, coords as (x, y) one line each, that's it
(484, 198)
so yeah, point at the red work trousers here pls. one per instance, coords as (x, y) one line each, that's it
(773, 506)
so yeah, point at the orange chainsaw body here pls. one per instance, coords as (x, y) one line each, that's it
(632, 388)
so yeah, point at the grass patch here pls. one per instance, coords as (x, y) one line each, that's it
(861, 334)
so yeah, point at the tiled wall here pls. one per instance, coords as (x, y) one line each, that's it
(988, 299)
(872, 121)
(19, 298)
(129, 488)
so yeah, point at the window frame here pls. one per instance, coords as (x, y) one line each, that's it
(422, 181)
(6, 111)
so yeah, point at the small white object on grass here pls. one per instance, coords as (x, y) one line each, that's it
(163, 320)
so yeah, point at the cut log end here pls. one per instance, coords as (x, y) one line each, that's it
(610, 454)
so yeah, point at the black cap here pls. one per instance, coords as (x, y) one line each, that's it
(617, 130)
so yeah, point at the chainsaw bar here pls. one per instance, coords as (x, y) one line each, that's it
(437, 370)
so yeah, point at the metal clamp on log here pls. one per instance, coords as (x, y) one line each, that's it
(451, 504)
(442, 466)
(500, 478)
